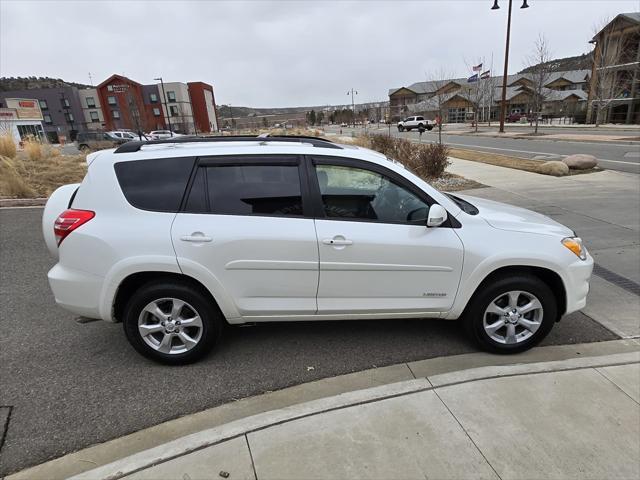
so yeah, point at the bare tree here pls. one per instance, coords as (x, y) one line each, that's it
(611, 80)
(540, 67)
(439, 79)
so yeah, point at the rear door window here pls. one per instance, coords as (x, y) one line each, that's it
(157, 184)
(248, 187)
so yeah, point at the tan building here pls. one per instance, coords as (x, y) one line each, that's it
(614, 93)
(565, 96)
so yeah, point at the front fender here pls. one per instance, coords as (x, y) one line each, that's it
(471, 279)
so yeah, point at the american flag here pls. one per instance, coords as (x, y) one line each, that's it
(486, 74)
(477, 68)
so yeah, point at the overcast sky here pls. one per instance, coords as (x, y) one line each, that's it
(286, 53)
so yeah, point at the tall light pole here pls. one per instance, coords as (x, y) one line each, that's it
(503, 106)
(166, 104)
(353, 105)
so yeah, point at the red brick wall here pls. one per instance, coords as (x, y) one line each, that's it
(199, 106)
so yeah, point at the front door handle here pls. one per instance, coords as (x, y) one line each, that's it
(196, 237)
(337, 241)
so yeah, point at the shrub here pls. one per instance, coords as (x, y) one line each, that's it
(12, 184)
(431, 160)
(33, 148)
(7, 146)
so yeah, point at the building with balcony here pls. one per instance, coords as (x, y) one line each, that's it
(614, 93)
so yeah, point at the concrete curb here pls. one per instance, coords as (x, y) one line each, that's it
(22, 202)
(523, 136)
(211, 437)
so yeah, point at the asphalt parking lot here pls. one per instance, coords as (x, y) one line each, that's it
(68, 385)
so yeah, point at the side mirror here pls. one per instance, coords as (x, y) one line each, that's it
(437, 215)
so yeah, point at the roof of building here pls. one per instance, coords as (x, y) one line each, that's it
(632, 17)
(573, 76)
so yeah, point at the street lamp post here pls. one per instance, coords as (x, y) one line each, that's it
(353, 105)
(503, 106)
(166, 104)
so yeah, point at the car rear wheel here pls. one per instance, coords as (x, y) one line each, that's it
(171, 323)
(511, 314)
(84, 148)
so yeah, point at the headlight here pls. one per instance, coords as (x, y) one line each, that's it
(575, 245)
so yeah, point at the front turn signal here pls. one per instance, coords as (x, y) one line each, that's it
(575, 245)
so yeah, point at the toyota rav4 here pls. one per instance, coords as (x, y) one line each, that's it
(175, 238)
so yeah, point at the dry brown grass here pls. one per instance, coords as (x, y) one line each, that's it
(28, 176)
(7, 146)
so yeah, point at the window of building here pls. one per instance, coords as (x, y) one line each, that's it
(156, 112)
(359, 194)
(173, 109)
(43, 104)
(251, 190)
(111, 100)
(69, 117)
(115, 113)
(94, 116)
(65, 103)
(156, 184)
(91, 103)
(171, 96)
(47, 119)
(153, 98)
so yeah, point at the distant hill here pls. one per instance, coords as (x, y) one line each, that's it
(28, 83)
(579, 62)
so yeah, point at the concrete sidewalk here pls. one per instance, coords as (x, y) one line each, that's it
(602, 208)
(576, 418)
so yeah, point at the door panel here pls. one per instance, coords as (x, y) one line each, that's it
(387, 268)
(269, 266)
(376, 253)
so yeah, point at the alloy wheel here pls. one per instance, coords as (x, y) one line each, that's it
(170, 326)
(513, 317)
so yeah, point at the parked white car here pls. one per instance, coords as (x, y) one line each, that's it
(176, 240)
(163, 134)
(126, 135)
(418, 122)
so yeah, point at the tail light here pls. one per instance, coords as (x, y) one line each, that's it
(68, 221)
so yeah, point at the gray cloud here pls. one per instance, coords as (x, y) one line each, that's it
(285, 53)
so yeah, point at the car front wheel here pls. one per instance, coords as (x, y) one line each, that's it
(171, 323)
(511, 314)
(400, 128)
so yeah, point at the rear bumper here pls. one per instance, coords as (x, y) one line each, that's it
(76, 291)
(577, 283)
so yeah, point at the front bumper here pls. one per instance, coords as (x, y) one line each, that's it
(76, 291)
(577, 278)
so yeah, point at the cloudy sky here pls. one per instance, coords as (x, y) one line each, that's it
(287, 53)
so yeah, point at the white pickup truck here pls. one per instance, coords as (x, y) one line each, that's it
(410, 123)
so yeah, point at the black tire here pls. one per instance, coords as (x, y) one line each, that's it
(84, 148)
(420, 125)
(400, 128)
(429, 127)
(487, 292)
(212, 320)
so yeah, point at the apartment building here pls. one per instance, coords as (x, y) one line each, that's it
(122, 103)
(614, 93)
(565, 95)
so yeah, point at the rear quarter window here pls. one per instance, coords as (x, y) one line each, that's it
(156, 184)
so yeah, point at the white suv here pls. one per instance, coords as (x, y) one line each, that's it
(176, 238)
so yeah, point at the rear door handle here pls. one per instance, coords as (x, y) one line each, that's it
(196, 237)
(337, 241)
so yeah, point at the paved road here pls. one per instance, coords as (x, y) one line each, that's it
(71, 385)
(615, 156)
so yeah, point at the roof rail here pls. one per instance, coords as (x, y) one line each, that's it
(135, 145)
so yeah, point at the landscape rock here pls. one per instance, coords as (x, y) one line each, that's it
(581, 161)
(555, 168)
